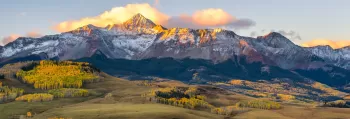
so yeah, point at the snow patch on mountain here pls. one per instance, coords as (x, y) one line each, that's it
(133, 45)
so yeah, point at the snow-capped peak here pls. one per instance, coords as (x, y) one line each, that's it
(276, 40)
(139, 21)
(138, 24)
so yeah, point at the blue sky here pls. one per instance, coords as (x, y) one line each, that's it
(311, 19)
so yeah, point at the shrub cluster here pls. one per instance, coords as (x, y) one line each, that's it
(228, 110)
(285, 97)
(191, 103)
(69, 92)
(179, 96)
(261, 104)
(7, 93)
(38, 97)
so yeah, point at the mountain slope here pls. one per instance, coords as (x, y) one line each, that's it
(204, 71)
(140, 38)
(339, 57)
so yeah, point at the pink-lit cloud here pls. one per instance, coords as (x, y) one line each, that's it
(9, 39)
(199, 19)
(331, 43)
(13, 37)
(207, 18)
(116, 15)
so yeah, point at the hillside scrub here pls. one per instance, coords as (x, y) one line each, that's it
(337, 103)
(181, 97)
(260, 104)
(227, 110)
(7, 93)
(38, 97)
(285, 97)
(69, 92)
(10, 70)
(53, 75)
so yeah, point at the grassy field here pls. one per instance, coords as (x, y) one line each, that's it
(124, 101)
(14, 109)
(126, 111)
(296, 112)
(127, 103)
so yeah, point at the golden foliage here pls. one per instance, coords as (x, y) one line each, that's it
(285, 97)
(38, 97)
(236, 82)
(29, 114)
(228, 110)
(261, 104)
(181, 97)
(53, 75)
(326, 88)
(191, 103)
(191, 91)
(7, 93)
(69, 92)
(0, 84)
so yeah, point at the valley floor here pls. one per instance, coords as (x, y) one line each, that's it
(126, 103)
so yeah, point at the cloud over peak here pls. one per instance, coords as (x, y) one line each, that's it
(13, 37)
(212, 17)
(205, 18)
(116, 15)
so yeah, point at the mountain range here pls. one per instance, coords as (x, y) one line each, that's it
(139, 39)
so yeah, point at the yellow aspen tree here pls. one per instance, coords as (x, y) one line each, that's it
(29, 114)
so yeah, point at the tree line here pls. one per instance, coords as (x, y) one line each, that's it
(37, 97)
(69, 92)
(260, 104)
(179, 96)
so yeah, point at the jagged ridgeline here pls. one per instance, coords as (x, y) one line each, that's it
(54, 75)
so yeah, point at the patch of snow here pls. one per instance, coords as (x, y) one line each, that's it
(132, 46)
